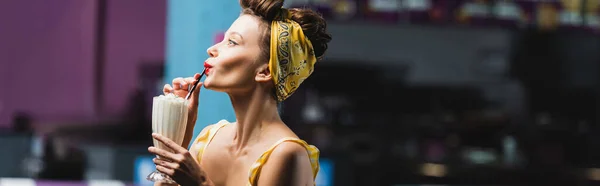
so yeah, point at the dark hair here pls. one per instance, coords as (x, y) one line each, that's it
(313, 25)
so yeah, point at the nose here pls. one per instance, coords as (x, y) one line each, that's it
(212, 51)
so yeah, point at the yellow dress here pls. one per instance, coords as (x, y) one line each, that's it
(254, 171)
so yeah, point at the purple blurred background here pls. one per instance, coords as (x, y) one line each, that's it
(49, 50)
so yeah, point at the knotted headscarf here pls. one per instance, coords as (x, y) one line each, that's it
(292, 55)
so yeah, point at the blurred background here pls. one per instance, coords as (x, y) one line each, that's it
(411, 92)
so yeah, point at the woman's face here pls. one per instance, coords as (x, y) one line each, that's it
(233, 64)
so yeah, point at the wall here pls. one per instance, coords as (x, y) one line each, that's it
(436, 55)
(3, 84)
(47, 50)
(46, 55)
(136, 34)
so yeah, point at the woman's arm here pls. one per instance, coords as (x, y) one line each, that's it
(189, 130)
(289, 164)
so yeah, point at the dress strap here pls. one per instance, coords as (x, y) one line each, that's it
(313, 154)
(207, 137)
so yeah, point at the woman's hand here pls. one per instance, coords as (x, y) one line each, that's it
(178, 163)
(181, 88)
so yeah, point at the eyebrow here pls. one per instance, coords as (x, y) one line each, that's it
(236, 33)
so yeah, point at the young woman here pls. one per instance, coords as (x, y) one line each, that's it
(265, 55)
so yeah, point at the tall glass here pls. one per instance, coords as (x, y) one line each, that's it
(169, 119)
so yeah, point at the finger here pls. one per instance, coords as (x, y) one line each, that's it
(185, 85)
(162, 153)
(165, 170)
(167, 164)
(177, 83)
(167, 89)
(190, 81)
(169, 143)
(196, 92)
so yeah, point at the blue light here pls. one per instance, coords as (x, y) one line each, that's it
(326, 173)
(142, 167)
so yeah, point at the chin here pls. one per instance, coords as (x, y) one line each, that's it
(211, 86)
(208, 85)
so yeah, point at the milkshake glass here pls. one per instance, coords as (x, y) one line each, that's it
(169, 119)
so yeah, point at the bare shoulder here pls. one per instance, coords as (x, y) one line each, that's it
(288, 164)
(204, 133)
(206, 129)
(202, 138)
(199, 141)
(289, 149)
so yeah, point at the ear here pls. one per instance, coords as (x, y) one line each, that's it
(263, 74)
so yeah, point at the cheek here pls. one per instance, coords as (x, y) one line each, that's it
(225, 80)
(238, 60)
(232, 69)
(232, 65)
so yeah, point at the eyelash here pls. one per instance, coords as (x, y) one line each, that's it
(231, 42)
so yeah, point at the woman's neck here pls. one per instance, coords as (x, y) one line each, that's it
(253, 111)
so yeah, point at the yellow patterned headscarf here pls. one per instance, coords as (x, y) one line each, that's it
(292, 55)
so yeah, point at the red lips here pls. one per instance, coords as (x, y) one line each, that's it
(207, 67)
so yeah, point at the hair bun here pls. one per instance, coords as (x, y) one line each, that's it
(314, 27)
(267, 9)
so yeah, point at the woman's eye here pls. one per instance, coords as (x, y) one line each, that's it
(231, 42)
